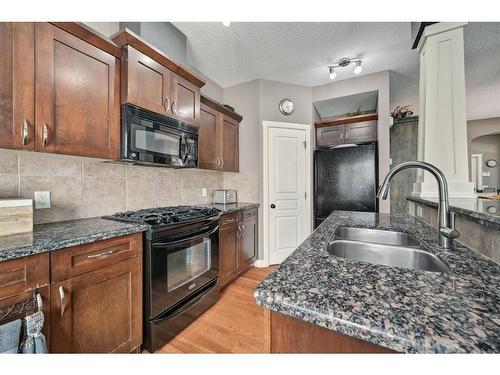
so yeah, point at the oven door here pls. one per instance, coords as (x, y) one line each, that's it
(182, 264)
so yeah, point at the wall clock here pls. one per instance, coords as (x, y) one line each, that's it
(491, 163)
(286, 106)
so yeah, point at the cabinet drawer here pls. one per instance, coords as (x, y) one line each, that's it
(81, 259)
(23, 274)
(229, 219)
(248, 213)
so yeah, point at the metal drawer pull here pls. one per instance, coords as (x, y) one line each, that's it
(25, 131)
(100, 255)
(45, 135)
(63, 300)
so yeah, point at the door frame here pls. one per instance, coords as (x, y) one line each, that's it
(266, 126)
(478, 179)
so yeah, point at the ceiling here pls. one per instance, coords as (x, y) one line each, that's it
(299, 52)
(296, 52)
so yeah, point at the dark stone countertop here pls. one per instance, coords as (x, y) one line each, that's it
(54, 236)
(401, 309)
(482, 211)
(232, 207)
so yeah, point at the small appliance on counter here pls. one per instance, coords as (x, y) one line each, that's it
(16, 216)
(226, 196)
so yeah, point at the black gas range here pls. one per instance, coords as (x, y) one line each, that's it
(181, 267)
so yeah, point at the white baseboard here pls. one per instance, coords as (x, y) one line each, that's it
(261, 263)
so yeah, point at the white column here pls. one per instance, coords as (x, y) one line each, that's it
(442, 128)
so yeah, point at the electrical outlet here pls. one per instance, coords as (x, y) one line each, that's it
(204, 192)
(42, 199)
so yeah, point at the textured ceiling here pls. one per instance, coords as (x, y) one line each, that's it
(298, 52)
(295, 52)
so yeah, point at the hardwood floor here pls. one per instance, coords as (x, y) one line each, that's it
(235, 324)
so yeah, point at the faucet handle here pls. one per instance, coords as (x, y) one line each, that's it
(450, 232)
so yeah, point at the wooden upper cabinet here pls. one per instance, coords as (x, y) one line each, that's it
(207, 139)
(354, 129)
(76, 96)
(230, 144)
(185, 104)
(365, 131)
(17, 112)
(145, 82)
(152, 80)
(218, 141)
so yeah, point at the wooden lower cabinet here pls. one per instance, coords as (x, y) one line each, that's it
(285, 334)
(238, 244)
(100, 311)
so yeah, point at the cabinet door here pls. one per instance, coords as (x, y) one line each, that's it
(145, 82)
(17, 85)
(185, 100)
(76, 96)
(230, 144)
(207, 138)
(99, 311)
(330, 135)
(365, 131)
(228, 252)
(248, 240)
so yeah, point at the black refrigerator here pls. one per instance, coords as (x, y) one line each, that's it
(345, 178)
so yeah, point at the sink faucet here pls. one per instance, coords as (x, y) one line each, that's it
(446, 218)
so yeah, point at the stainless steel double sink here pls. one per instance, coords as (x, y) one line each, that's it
(384, 247)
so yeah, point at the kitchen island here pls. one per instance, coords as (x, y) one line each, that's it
(381, 308)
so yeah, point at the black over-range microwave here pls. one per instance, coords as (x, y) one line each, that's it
(150, 138)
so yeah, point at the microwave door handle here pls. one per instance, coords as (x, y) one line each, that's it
(187, 238)
(183, 142)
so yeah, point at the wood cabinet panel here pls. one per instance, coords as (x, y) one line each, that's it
(23, 274)
(249, 239)
(76, 96)
(185, 100)
(290, 335)
(228, 253)
(80, 259)
(145, 82)
(330, 136)
(17, 85)
(361, 132)
(208, 142)
(99, 311)
(230, 145)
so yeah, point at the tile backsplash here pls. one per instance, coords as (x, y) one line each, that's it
(84, 187)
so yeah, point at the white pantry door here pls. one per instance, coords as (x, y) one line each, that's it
(287, 191)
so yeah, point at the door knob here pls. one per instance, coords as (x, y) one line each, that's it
(273, 205)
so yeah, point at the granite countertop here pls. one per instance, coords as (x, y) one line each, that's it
(483, 211)
(54, 236)
(401, 309)
(232, 207)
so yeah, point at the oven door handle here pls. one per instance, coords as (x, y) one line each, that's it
(185, 239)
(189, 304)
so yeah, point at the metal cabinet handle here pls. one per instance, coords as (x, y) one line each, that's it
(244, 231)
(239, 231)
(347, 135)
(341, 136)
(218, 160)
(39, 302)
(25, 131)
(45, 135)
(101, 255)
(166, 104)
(174, 107)
(222, 161)
(63, 300)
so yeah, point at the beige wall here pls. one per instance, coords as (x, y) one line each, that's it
(85, 187)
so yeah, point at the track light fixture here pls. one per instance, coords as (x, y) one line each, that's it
(342, 63)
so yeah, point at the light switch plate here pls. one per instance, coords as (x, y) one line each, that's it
(204, 192)
(42, 199)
